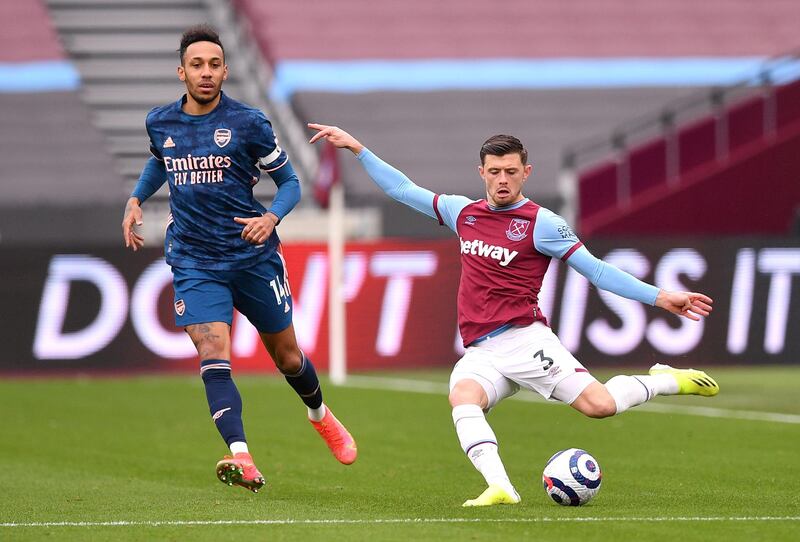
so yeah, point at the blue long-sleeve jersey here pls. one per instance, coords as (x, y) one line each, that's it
(211, 163)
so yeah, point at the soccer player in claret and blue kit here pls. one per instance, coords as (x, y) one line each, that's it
(222, 245)
(507, 242)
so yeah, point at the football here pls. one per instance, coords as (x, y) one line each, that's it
(572, 477)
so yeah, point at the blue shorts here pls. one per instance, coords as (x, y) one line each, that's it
(261, 293)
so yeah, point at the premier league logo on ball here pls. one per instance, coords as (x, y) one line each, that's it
(518, 229)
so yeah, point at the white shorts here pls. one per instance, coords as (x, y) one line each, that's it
(530, 357)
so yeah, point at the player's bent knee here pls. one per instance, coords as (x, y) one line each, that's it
(601, 407)
(288, 360)
(284, 350)
(596, 402)
(468, 392)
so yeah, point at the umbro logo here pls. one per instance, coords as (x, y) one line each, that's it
(218, 414)
(470, 220)
(168, 144)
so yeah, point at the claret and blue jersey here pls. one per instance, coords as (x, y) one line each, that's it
(211, 163)
(505, 252)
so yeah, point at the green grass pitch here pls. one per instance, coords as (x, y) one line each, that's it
(78, 454)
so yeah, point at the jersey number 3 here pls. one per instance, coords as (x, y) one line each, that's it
(547, 362)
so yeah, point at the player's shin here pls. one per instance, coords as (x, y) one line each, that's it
(629, 391)
(480, 444)
(306, 384)
(224, 401)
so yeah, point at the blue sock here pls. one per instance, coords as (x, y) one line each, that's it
(306, 384)
(224, 400)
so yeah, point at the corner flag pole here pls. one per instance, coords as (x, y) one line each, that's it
(337, 329)
(329, 193)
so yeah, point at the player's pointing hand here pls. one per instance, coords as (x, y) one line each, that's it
(338, 137)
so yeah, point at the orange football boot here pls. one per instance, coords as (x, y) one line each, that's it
(240, 470)
(336, 437)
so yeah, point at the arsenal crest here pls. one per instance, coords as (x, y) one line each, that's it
(222, 136)
(518, 229)
(180, 307)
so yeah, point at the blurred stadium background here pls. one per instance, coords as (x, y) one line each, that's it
(668, 134)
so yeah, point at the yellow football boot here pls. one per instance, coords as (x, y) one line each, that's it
(690, 381)
(493, 494)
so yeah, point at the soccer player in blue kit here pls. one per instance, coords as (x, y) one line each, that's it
(222, 245)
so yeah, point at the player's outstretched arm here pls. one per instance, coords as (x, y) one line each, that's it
(391, 180)
(133, 217)
(692, 305)
(553, 236)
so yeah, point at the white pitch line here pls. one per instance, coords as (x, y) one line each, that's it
(424, 386)
(396, 384)
(179, 523)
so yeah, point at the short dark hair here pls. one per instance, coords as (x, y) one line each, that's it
(199, 32)
(500, 145)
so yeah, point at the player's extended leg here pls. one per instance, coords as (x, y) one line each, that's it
(623, 392)
(302, 377)
(212, 341)
(479, 442)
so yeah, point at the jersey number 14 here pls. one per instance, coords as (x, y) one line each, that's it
(280, 288)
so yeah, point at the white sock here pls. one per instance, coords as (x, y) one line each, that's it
(664, 384)
(238, 447)
(480, 444)
(487, 461)
(629, 391)
(316, 414)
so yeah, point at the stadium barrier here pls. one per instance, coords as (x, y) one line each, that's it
(111, 311)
